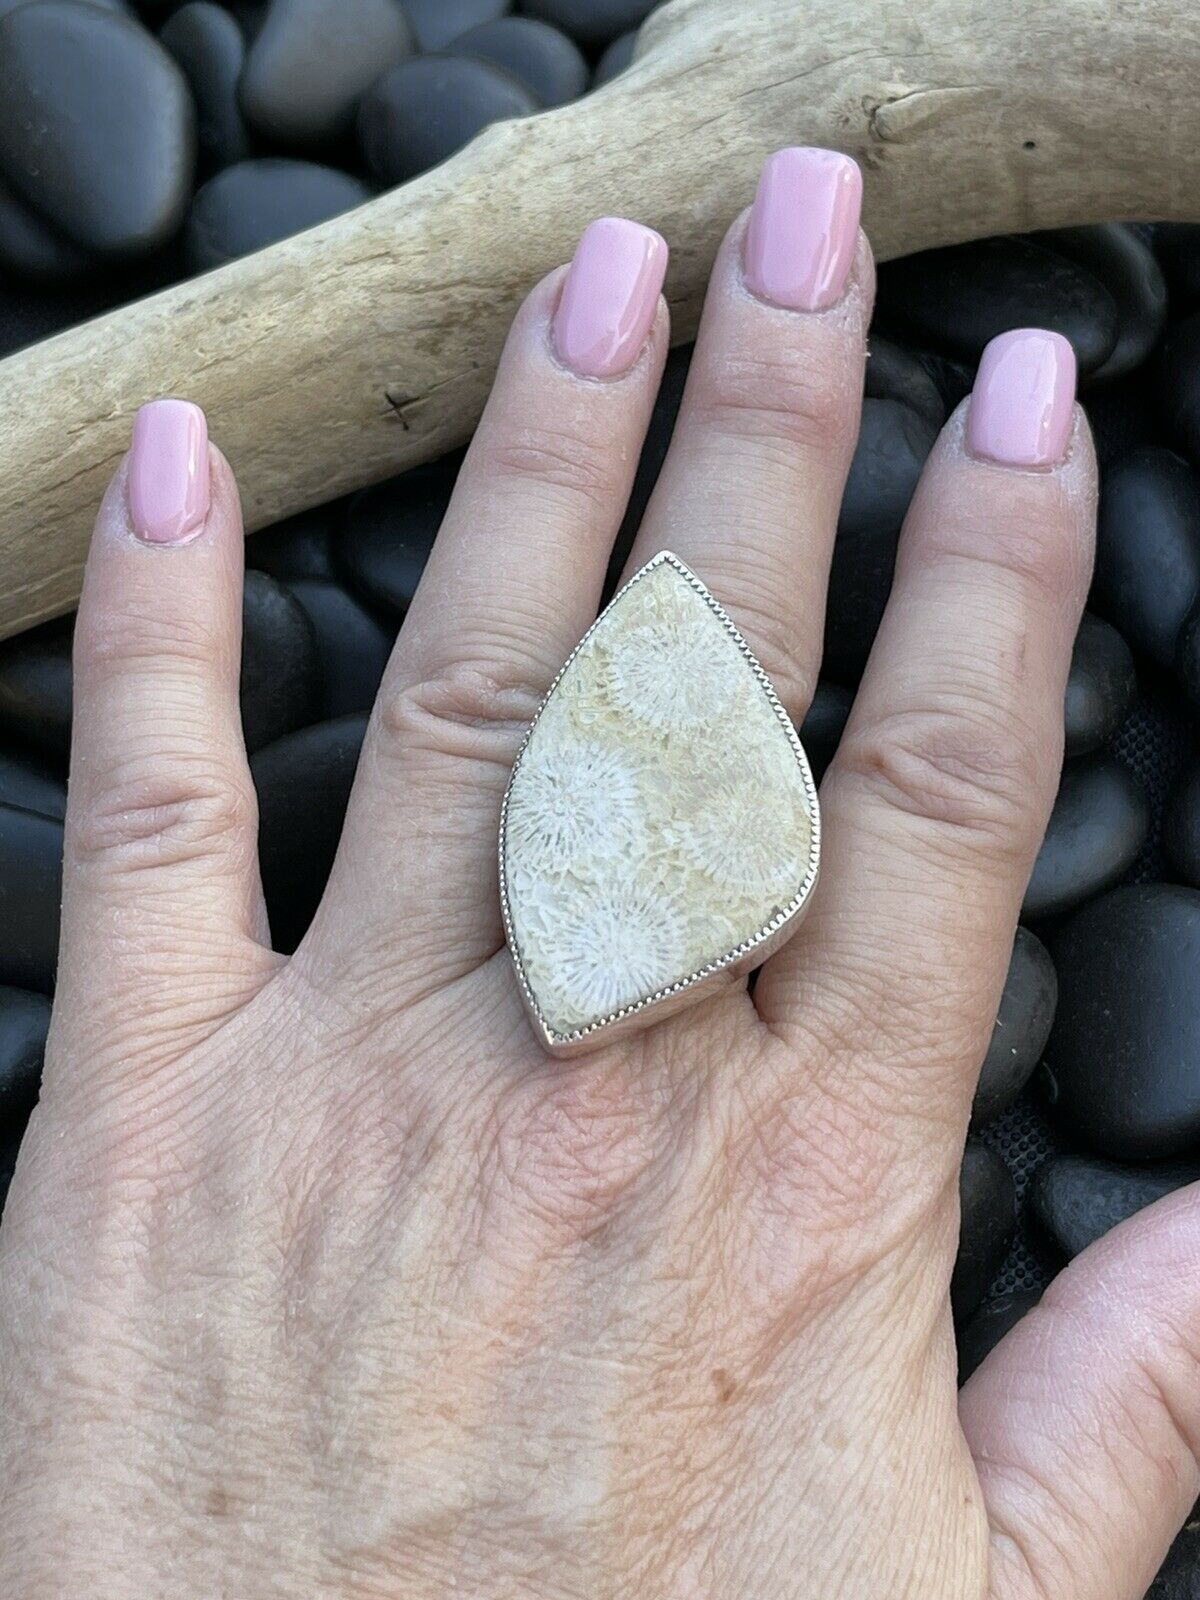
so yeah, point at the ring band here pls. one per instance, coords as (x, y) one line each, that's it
(659, 834)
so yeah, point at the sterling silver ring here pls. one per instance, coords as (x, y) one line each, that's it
(659, 834)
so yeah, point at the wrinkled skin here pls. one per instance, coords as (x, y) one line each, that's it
(320, 1279)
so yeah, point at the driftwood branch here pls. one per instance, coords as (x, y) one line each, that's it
(366, 345)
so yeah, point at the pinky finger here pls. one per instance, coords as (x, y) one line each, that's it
(1085, 1421)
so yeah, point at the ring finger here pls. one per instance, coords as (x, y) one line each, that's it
(938, 797)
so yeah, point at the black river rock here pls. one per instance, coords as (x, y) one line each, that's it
(1123, 1050)
(97, 126)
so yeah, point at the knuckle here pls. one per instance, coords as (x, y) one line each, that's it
(795, 395)
(961, 765)
(116, 641)
(474, 712)
(816, 1152)
(567, 462)
(759, 596)
(170, 819)
(566, 1151)
(1042, 547)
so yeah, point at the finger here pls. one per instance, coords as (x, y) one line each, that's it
(162, 910)
(1085, 1420)
(938, 797)
(749, 492)
(514, 580)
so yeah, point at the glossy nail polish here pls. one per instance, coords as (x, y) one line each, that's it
(609, 297)
(168, 472)
(1022, 406)
(803, 228)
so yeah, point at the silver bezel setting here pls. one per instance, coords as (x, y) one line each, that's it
(733, 963)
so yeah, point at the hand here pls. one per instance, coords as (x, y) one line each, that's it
(320, 1279)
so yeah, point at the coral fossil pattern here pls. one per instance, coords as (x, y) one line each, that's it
(659, 814)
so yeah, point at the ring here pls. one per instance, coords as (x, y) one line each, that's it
(660, 834)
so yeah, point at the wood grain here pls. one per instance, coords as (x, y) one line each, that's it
(364, 346)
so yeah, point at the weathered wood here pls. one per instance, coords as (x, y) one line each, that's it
(366, 345)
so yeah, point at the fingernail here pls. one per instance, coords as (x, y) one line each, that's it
(1022, 405)
(803, 228)
(609, 297)
(168, 471)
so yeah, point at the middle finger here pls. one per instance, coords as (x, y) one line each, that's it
(514, 579)
(749, 493)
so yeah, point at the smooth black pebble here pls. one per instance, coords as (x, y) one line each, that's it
(10, 1147)
(118, 6)
(353, 646)
(248, 14)
(1100, 686)
(389, 531)
(29, 311)
(24, 1023)
(1099, 824)
(1178, 372)
(1178, 250)
(280, 662)
(303, 783)
(1121, 1059)
(894, 372)
(423, 110)
(1078, 1199)
(299, 547)
(663, 417)
(959, 297)
(31, 248)
(1125, 415)
(952, 379)
(1147, 576)
(1179, 1576)
(988, 1205)
(1177, 247)
(97, 126)
(1120, 258)
(255, 203)
(313, 60)
(31, 849)
(211, 51)
(1181, 826)
(822, 729)
(35, 687)
(438, 23)
(615, 59)
(893, 444)
(28, 782)
(550, 65)
(1187, 657)
(592, 22)
(1021, 1029)
(984, 1331)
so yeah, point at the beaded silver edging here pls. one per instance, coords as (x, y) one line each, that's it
(558, 1042)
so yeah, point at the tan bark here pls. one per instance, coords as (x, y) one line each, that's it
(366, 345)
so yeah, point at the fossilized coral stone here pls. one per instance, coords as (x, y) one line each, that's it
(660, 822)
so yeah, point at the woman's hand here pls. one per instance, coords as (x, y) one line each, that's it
(320, 1279)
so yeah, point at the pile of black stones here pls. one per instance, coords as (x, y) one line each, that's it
(169, 138)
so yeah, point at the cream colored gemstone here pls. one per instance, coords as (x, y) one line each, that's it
(660, 816)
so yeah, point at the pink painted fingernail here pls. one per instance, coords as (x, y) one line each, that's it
(803, 228)
(168, 471)
(609, 297)
(1022, 405)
